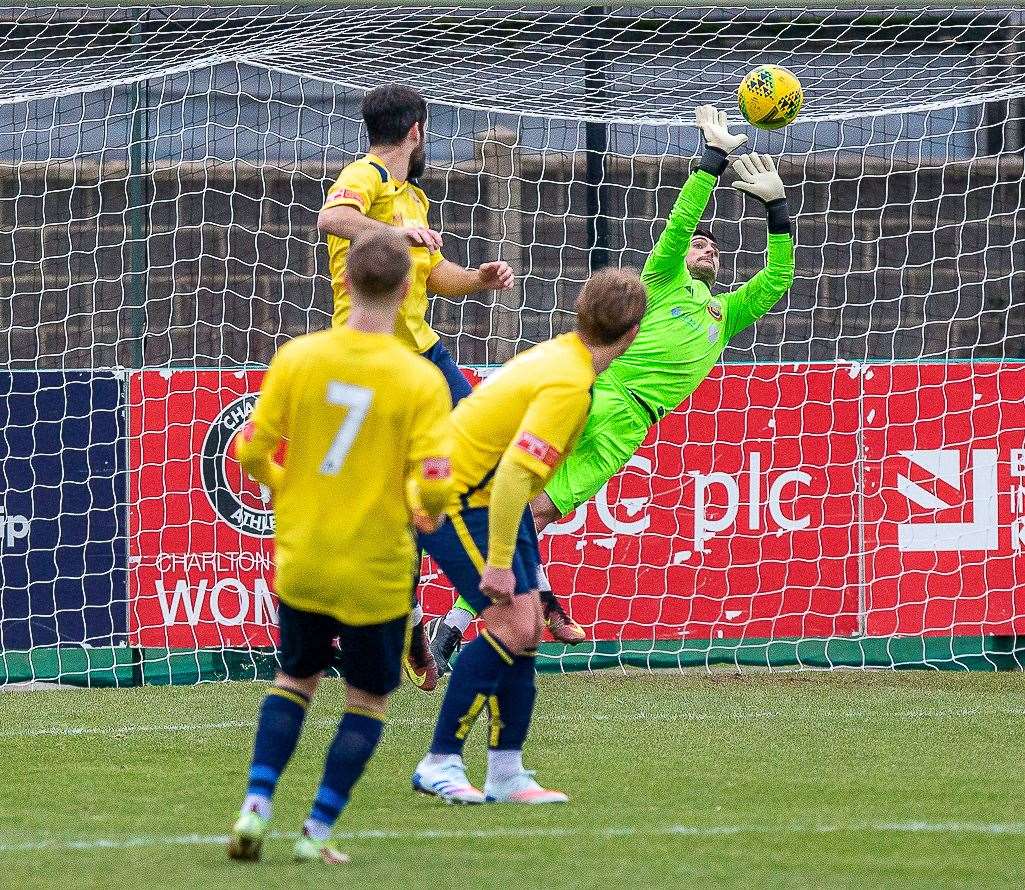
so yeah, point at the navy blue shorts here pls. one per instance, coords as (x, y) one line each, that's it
(458, 385)
(458, 547)
(370, 657)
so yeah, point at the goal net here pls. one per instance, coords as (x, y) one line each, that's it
(847, 487)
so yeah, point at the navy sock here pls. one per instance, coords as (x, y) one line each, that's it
(354, 743)
(281, 720)
(481, 667)
(510, 716)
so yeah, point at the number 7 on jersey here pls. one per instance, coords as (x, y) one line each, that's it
(357, 399)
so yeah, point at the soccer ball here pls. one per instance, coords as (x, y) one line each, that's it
(770, 97)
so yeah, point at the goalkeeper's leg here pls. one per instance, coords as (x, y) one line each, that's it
(445, 635)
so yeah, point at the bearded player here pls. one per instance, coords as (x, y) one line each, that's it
(682, 336)
(379, 192)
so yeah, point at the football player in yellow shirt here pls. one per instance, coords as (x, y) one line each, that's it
(508, 437)
(364, 421)
(380, 191)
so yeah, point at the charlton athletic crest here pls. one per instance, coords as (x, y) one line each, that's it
(235, 496)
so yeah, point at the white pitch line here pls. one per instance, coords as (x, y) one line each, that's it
(610, 832)
(693, 717)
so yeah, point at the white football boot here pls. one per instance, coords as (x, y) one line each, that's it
(446, 780)
(521, 788)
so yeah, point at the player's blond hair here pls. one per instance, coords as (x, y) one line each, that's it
(378, 265)
(611, 302)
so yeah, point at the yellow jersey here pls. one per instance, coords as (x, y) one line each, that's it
(366, 185)
(361, 415)
(533, 408)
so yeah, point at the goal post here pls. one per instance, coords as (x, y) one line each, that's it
(846, 489)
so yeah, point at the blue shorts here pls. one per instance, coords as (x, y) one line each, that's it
(442, 359)
(458, 547)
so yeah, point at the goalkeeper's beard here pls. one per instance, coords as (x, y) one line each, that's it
(704, 273)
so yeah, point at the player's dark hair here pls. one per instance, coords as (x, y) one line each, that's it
(377, 265)
(705, 233)
(611, 302)
(390, 110)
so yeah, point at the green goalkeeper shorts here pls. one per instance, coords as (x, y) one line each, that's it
(615, 429)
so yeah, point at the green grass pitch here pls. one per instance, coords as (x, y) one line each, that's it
(779, 780)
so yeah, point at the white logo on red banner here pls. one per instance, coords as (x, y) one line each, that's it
(978, 534)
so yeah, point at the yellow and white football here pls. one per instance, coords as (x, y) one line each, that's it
(770, 97)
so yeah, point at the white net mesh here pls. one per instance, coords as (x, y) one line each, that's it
(652, 61)
(845, 489)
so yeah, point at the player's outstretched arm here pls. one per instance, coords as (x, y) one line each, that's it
(757, 176)
(448, 279)
(666, 261)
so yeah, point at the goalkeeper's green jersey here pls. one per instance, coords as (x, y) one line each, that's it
(685, 328)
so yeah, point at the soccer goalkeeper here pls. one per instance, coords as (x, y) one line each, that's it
(682, 337)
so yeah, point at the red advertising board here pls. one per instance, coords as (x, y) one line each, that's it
(780, 501)
(945, 499)
(200, 530)
(735, 518)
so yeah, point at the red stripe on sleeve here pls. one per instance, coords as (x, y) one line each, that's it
(539, 449)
